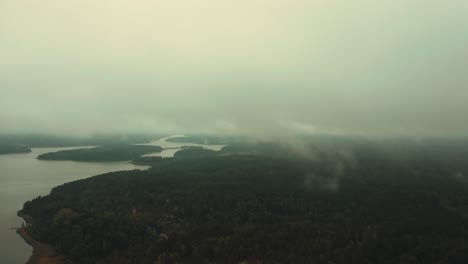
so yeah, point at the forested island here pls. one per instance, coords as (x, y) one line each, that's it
(197, 139)
(194, 151)
(118, 152)
(13, 148)
(348, 201)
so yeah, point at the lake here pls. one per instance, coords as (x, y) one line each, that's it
(169, 148)
(23, 177)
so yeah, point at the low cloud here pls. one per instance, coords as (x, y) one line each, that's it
(253, 67)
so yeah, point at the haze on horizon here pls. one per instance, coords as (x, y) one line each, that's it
(252, 66)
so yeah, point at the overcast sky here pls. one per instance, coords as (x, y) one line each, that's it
(349, 66)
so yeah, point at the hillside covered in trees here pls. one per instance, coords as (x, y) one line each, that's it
(336, 202)
(118, 152)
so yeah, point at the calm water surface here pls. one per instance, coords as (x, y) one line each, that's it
(23, 177)
(174, 147)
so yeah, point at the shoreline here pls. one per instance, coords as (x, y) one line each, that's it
(42, 253)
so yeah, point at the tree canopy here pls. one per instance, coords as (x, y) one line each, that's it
(353, 203)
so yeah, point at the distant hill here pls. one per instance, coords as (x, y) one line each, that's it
(119, 152)
(46, 140)
(13, 148)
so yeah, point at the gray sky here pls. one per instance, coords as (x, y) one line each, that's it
(350, 66)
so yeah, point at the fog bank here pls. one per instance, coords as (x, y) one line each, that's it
(263, 67)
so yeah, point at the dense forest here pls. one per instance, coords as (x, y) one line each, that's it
(118, 152)
(13, 148)
(349, 201)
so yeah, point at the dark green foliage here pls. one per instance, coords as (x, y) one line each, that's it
(104, 153)
(194, 152)
(363, 203)
(12, 148)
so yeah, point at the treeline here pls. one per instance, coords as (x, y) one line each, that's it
(354, 202)
(47, 140)
(12, 148)
(194, 152)
(119, 152)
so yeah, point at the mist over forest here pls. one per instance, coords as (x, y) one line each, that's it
(243, 132)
